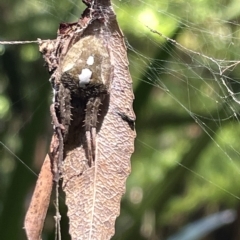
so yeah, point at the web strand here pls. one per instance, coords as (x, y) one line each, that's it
(17, 42)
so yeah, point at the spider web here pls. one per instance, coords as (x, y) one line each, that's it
(184, 61)
(198, 79)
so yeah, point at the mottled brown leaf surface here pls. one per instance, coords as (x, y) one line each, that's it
(93, 194)
(93, 119)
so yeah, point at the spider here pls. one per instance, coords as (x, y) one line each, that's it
(86, 72)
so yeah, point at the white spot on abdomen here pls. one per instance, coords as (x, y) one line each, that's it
(84, 77)
(90, 60)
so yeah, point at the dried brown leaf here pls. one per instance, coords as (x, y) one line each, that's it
(37, 210)
(93, 194)
(92, 158)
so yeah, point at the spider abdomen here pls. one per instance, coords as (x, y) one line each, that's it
(86, 68)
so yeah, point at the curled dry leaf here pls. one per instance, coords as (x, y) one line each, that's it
(37, 210)
(95, 121)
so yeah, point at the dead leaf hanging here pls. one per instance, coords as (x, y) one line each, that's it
(93, 118)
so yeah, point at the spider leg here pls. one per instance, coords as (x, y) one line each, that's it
(92, 108)
(58, 128)
(96, 104)
(88, 126)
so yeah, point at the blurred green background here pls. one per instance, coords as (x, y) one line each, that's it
(186, 164)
